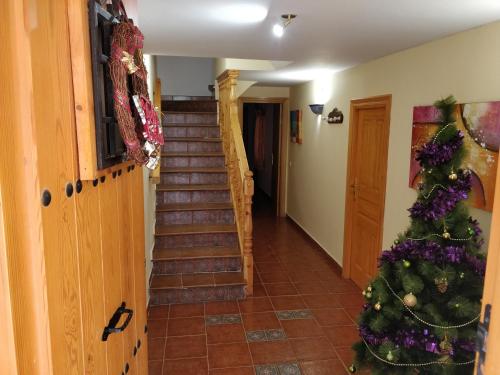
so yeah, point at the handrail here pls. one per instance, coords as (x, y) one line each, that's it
(240, 176)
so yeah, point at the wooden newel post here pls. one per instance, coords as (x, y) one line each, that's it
(248, 232)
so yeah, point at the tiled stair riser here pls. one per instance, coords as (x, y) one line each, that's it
(198, 196)
(200, 294)
(191, 146)
(188, 266)
(195, 217)
(196, 178)
(192, 161)
(197, 239)
(191, 131)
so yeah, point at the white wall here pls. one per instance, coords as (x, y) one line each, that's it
(267, 92)
(188, 76)
(465, 65)
(149, 188)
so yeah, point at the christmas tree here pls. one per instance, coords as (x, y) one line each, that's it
(422, 310)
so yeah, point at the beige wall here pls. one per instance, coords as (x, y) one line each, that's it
(465, 65)
(149, 188)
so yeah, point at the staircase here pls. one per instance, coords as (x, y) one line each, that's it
(197, 254)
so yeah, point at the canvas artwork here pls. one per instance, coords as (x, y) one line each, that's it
(296, 126)
(480, 124)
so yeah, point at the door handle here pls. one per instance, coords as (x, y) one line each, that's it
(111, 327)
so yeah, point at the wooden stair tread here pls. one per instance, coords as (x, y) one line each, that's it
(165, 230)
(195, 253)
(191, 139)
(191, 154)
(184, 281)
(194, 170)
(190, 187)
(190, 112)
(194, 206)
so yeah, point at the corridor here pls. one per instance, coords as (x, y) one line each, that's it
(301, 319)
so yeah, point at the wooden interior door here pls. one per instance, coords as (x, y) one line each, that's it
(366, 182)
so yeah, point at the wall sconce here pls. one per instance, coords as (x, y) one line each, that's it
(317, 109)
(279, 28)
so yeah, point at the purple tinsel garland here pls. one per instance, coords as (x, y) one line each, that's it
(413, 339)
(434, 253)
(444, 200)
(433, 153)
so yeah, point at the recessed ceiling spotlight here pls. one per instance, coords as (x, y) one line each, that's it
(279, 28)
(241, 13)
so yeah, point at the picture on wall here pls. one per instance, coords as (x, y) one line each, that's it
(296, 126)
(480, 124)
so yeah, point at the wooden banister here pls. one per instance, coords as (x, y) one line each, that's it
(240, 176)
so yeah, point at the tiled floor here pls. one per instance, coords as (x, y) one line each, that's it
(299, 321)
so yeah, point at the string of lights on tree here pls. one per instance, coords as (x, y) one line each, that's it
(418, 317)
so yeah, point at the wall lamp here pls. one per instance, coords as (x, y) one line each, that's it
(317, 109)
(279, 29)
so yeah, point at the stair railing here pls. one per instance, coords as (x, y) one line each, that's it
(240, 176)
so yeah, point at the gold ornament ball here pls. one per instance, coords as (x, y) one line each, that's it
(410, 300)
(390, 356)
(352, 369)
(406, 263)
(377, 306)
(462, 275)
(446, 235)
(369, 289)
(368, 294)
(453, 176)
(363, 292)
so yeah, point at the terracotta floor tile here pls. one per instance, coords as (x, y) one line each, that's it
(353, 313)
(157, 328)
(342, 286)
(271, 352)
(257, 304)
(219, 308)
(313, 348)
(155, 367)
(190, 366)
(185, 347)
(158, 312)
(280, 289)
(260, 321)
(186, 326)
(301, 328)
(225, 333)
(229, 278)
(355, 300)
(288, 303)
(332, 317)
(259, 291)
(233, 371)
(342, 335)
(229, 355)
(310, 288)
(156, 348)
(188, 310)
(205, 279)
(267, 267)
(346, 355)
(274, 277)
(321, 301)
(166, 281)
(328, 367)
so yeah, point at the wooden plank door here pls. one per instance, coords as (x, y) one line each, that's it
(365, 196)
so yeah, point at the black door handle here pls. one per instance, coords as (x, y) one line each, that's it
(111, 327)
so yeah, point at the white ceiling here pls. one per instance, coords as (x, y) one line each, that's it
(327, 34)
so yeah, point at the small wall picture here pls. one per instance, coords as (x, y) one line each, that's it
(480, 124)
(296, 126)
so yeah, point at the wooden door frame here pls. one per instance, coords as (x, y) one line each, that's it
(382, 101)
(283, 143)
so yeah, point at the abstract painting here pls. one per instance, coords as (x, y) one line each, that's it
(296, 126)
(480, 124)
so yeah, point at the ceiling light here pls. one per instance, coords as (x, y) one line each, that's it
(241, 13)
(279, 28)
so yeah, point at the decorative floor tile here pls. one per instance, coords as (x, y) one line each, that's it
(254, 336)
(294, 314)
(266, 370)
(275, 334)
(289, 369)
(223, 319)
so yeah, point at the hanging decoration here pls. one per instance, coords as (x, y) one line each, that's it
(142, 133)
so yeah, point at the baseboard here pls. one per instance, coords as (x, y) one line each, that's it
(315, 243)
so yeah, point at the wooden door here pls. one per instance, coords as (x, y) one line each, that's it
(365, 196)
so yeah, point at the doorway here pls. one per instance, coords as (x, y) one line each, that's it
(261, 136)
(365, 190)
